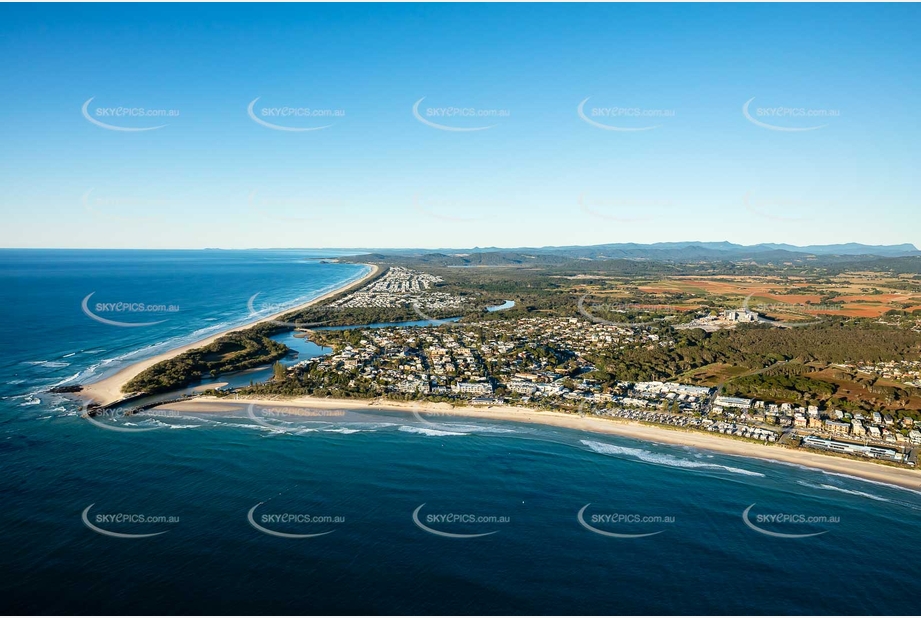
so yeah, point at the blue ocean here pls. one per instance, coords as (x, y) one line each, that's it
(253, 510)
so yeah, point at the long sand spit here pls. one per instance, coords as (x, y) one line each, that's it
(109, 389)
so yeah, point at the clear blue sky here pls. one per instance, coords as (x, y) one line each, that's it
(380, 177)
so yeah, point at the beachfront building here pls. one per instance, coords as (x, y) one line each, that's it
(873, 452)
(473, 388)
(733, 402)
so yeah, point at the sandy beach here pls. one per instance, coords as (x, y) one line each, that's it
(902, 477)
(108, 389)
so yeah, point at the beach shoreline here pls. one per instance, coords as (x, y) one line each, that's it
(108, 390)
(866, 470)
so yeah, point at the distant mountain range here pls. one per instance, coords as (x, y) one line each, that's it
(851, 248)
(674, 251)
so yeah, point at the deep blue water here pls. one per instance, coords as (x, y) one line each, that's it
(366, 473)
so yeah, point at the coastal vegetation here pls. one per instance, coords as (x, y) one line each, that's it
(235, 351)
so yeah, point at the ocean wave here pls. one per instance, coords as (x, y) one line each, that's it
(476, 428)
(426, 431)
(345, 430)
(880, 483)
(69, 355)
(16, 382)
(852, 492)
(152, 422)
(66, 380)
(46, 363)
(603, 448)
(253, 426)
(31, 401)
(196, 334)
(845, 476)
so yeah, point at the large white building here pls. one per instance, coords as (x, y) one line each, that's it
(473, 388)
(733, 402)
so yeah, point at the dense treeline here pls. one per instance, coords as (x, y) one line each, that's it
(779, 387)
(234, 351)
(756, 347)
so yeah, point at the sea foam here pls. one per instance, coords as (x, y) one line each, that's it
(852, 492)
(661, 458)
(427, 431)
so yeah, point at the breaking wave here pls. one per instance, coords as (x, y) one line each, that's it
(852, 492)
(603, 448)
(426, 431)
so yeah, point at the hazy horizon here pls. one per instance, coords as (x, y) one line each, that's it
(458, 248)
